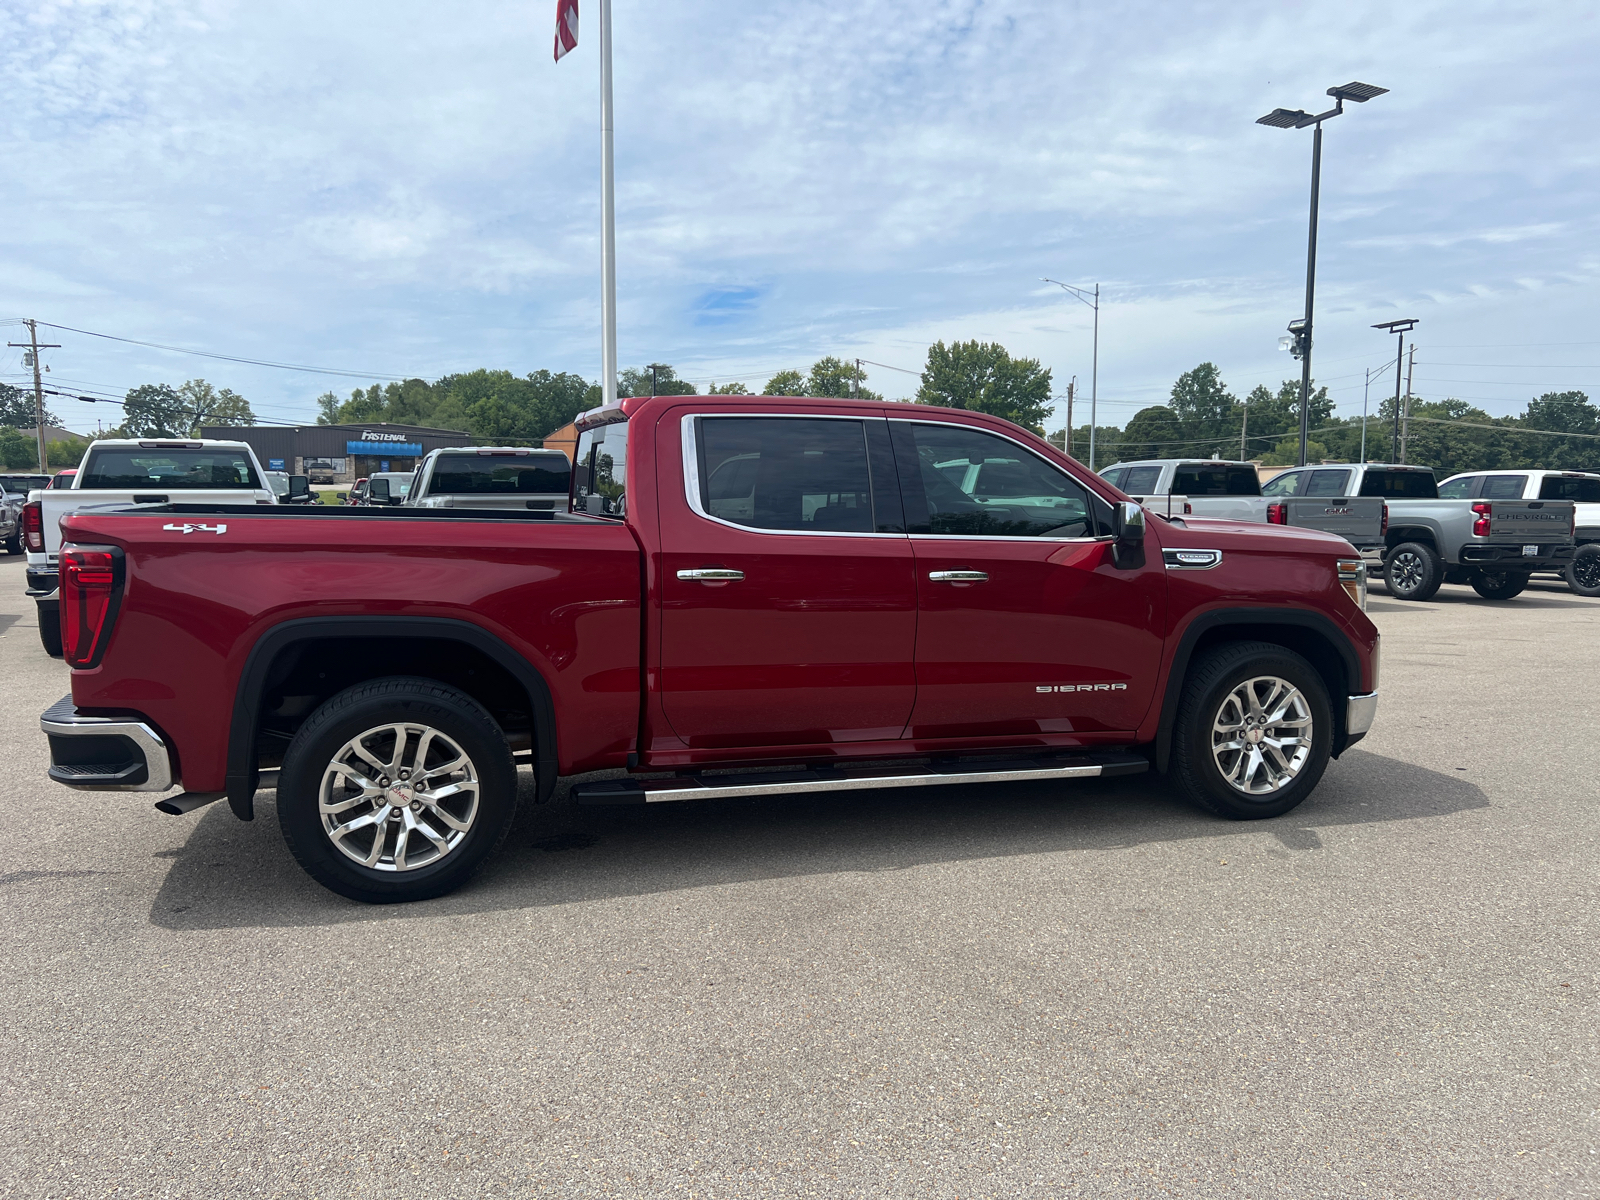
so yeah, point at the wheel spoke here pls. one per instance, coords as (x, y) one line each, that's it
(355, 777)
(401, 736)
(465, 788)
(358, 747)
(449, 768)
(402, 834)
(339, 806)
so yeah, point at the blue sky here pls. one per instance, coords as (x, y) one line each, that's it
(412, 189)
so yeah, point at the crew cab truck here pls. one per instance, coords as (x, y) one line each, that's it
(745, 596)
(492, 477)
(1493, 545)
(117, 472)
(1233, 492)
(1582, 573)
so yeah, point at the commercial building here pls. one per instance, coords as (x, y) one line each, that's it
(339, 453)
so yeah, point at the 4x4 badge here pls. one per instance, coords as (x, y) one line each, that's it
(187, 528)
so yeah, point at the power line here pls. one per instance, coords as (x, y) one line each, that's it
(254, 362)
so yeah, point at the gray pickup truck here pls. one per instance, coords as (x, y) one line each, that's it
(1232, 491)
(1494, 545)
(492, 477)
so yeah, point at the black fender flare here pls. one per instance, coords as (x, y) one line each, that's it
(243, 774)
(1220, 617)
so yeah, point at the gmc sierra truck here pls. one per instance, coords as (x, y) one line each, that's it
(1583, 489)
(744, 596)
(1493, 545)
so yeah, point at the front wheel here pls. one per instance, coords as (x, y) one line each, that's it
(1413, 571)
(1254, 731)
(50, 627)
(1499, 585)
(1583, 573)
(396, 790)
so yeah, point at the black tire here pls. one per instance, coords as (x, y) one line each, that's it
(1207, 690)
(1583, 573)
(50, 627)
(455, 718)
(1499, 585)
(14, 544)
(1413, 571)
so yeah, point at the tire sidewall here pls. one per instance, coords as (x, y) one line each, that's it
(1199, 767)
(1587, 550)
(361, 708)
(1432, 575)
(1512, 584)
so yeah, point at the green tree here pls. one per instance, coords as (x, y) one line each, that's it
(17, 410)
(635, 381)
(204, 405)
(1566, 412)
(1272, 414)
(983, 377)
(728, 389)
(327, 408)
(834, 377)
(785, 383)
(1154, 432)
(154, 410)
(17, 452)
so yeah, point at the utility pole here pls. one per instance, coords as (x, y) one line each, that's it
(1366, 392)
(1084, 294)
(1399, 328)
(855, 388)
(1244, 423)
(1405, 427)
(32, 344)
(1067, 441)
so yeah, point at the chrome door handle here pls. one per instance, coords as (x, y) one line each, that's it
(710, 575)
(958, 576)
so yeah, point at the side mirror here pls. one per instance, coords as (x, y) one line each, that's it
(378, 491)
(1128, 524)
(299, 488)
(341, 495)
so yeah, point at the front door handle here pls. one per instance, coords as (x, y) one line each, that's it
(710, 575)
(958, 576)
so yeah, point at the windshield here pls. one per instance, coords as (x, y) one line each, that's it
(601, 476)
(170, 468)
(1568, 487)
(24, 483)
(540, 475)
(399, 485)
(279, 484)
(1221, 479)
(1405, 485)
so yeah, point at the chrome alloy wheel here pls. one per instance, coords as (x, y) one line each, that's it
(398, 797)
(1261, 736)
(1406, 568)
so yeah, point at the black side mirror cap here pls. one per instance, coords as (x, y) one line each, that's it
(378, 491)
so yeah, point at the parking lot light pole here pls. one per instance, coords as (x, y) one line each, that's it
(1085, 295)
(1401, 327)
(1286, 118)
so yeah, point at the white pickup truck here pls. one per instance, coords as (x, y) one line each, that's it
(117, 473)
(1232, 491)
(492, 477)
(1582, 488)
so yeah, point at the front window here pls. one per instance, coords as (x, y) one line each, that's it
(1219, 479)
(795, 473)
(1141, 481)
(1457, 489)
(1286, 484)
(497, 474)
(600, 477)
(169, 468)
(1570, 487)
(1400, 485)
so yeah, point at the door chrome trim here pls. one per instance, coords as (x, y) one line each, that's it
(710, 575)
(959, 576)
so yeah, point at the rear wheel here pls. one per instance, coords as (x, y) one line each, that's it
(1413, 571)
(396, 790)
(1254, 731)
(1583, 573)
(14, 544)
(50, 627)
(1499, 585)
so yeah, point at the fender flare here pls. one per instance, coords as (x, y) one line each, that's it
(1221, 617)
(242, 772)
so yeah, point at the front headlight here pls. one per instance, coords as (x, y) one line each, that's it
(1353, 578)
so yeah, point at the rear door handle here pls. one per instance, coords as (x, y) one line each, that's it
(710, 575)
(958, 576)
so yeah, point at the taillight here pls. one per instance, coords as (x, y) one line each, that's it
(1484, 510)
(1384, 527)
(91, 590)
(1277, 514)
(1188, 509)
(33, 526)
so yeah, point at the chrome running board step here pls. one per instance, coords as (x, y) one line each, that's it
(836, 779)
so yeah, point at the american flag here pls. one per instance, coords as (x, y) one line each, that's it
(566, 26)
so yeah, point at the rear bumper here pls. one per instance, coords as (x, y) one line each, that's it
(1551, 557)
(97, 754)
(42, 583)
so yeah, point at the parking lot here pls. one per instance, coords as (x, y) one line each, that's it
(1023, 990)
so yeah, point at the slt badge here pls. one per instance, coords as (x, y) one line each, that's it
(187, 528)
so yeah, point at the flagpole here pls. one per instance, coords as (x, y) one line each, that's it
(608, 220)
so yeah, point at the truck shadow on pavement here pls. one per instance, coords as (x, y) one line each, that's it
(234, 875)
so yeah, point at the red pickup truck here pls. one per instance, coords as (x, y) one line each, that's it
(746, 596)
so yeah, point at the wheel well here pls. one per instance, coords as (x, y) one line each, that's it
(1396, 537)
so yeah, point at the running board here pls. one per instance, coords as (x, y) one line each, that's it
(825, 779)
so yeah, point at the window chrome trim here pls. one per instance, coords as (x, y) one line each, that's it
(1199, 559)
(691, 473)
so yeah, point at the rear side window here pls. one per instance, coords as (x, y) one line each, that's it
(491, 474)
(171, 469)
(1401, 485)
(1141, 481)
(600, 475)
(1114, 478)
(1458, 489)
(1503, 487)
(1329, 483)
(1566, 487)
(1202, 479)
(792, 473)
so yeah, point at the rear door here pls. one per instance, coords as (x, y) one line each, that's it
(789, 601)
(1026, 626)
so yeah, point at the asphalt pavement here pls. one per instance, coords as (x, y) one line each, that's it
(1083, 989)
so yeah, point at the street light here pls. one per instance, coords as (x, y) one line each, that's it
(1401, 327)
(1084, 294)
(1295, 118)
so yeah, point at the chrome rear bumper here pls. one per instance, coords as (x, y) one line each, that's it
(119, 754)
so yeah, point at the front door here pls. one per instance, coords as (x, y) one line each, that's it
(789, 597)
(1026, 625)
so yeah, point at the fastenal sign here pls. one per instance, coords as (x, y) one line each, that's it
(395, 448)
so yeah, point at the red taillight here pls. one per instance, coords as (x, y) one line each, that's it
(1277, 514)
(1384, 528)
(1484, 510)
(1188, 509)
(91, 589)
(33, 527)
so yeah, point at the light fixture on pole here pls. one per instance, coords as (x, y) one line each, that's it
(1401, 327)
(1092, 299)
(1287, 118)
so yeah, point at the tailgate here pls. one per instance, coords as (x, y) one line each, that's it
(1531, 520)
(1357, 519)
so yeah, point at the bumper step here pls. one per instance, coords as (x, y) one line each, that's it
(824, 779)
